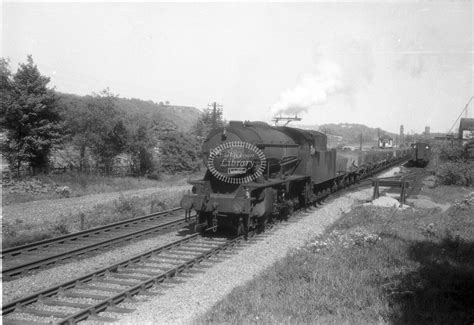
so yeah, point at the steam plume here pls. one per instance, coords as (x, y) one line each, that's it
(312, 90)
(339, 71)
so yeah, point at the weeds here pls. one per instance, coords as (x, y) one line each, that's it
(372, 266)
(46, 187)
(18, 233)
(456, 173)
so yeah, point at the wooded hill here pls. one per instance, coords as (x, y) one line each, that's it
(348, 134)
(180, 118)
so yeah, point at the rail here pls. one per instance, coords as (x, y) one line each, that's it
(133, 275)
(18, 260)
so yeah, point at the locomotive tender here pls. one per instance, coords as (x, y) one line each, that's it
(256, 171)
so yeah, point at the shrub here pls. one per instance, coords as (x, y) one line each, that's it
(456, 173)
(155, 175)
(453, 152)
(179, 152)
(128, 206)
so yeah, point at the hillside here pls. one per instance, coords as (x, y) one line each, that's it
(182, 117)
(348, 134)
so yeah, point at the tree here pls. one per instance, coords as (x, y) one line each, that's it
(107, 132)
(205, 123)
(31, 117)
(78, 120)
(95, 123)
(142, 142)
(6, 88)
(179, 152)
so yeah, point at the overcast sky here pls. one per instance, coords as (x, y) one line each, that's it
(380, 64)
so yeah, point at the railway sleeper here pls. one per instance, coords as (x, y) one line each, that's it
(119, 282)
(101, 319)
(184, 252)
(158, 265)
(193, 249)
(99, 288)
(148, 271)
(11, 321)
(130, 276)
(164, 259)
(42, 313)
(56, 302)
(84, 295)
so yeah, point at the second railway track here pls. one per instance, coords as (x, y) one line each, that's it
(86, 296)
(18, 260)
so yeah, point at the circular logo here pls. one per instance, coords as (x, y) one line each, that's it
(236, 162)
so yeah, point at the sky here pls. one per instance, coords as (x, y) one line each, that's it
(382, 64)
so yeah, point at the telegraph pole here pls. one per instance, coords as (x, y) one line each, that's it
(215, 107)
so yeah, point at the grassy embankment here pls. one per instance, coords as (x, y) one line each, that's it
(375, 265)
(18, 231)
(42, 187)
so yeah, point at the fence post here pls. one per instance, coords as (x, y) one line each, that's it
(402, 194)
(375, 183)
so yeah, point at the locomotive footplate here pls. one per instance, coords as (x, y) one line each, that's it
(221, 204)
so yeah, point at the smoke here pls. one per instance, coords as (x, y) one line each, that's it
(337, 72)
(313, 89)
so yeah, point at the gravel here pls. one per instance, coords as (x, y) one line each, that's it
(185, 302)
(56, 275)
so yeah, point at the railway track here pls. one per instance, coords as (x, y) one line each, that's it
(366, 179)
(18, 260)
(415, 178)
(101, 291)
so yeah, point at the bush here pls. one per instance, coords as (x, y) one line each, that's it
(453, 152)
(179, 152)
(456, 173)
(154, 175)
(128, 206)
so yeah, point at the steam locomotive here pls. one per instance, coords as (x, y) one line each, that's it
(256, 172)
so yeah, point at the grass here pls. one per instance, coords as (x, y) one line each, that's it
(375, 265)
(82, 184)
(17, 232)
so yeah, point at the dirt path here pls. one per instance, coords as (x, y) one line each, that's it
(51, 210)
